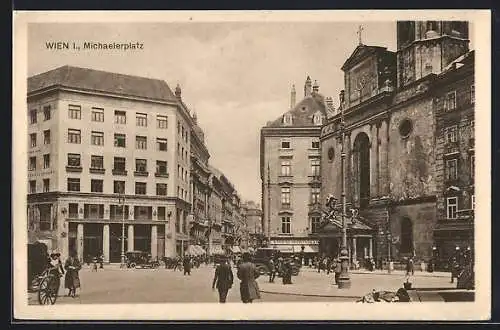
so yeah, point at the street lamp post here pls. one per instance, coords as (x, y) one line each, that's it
(121, 200)
(344, 279)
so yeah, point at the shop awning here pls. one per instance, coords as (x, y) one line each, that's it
(307, 248)
(285, 248)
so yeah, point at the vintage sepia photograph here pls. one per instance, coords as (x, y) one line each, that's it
(251, 165)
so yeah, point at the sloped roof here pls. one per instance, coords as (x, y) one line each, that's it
(463, 59)
(335, 225)
(359, 53)
(101, 81)
(302, 113)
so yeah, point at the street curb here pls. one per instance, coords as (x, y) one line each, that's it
(309, 295)
(391, 274)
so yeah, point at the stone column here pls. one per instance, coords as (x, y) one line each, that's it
(370, 248)
(154, 241)
(348, 168)
(130, 238)
(376, 161)
(105, 243)
(354, 251)
(384, 158)
(79, 241)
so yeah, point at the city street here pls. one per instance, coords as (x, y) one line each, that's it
(115, 285)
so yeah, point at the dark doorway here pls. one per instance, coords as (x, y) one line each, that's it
(406, 236)
(362, 168)
(115, 242)
(142, 238)
(92, 240)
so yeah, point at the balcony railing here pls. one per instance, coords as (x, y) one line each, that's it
(119, 172)
(97, 170)
(161, 175)
(451, 148)
(77, 169)
(141, 173)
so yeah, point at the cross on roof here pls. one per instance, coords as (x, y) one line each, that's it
(360, 30)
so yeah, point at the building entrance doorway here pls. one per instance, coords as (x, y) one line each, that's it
(92, 240)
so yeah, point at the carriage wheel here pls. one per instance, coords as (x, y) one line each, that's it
(48, 290)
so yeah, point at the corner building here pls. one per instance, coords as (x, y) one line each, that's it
(100, 142)
(392, 165)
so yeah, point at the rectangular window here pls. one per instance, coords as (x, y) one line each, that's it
(450, 101)
(46, 112)
(450, 134)
(315, 145)
(120, 117)
(74, 160)
(141, 165)
(473, 202)
(285, 144)
(285, 225)
(315, 167)
(120, 140)
(182, 129)
(178, 149)
(161, 212)
(161, 189)
(140, 188)
(315, 195)
(97, 162)
(73, 184)
(119, 187)
(143, 212)
(315, 223)
(451, 207)
(32, 164)
(74, 136)
(161, 167)
(182, 153)
(46, 161)
(451, 169)
(285, 197)
(33, 117)
(33, 140)
(97, 138)
(472, 166)
(46, 185)
(161, 144)
(32, 186)
(119, 164)
(162, 121)
(286, 167)
(118, 212)
(96, 186)
(178, 127)
(472, 94)
(73, 210)
(46, 136)
(97, 114)
(93, 211)
(141, 142)
(74, 111)
(141, 119)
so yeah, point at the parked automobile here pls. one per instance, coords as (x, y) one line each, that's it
(141, 259)
(261, 259)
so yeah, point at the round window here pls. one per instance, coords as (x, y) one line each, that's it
(405, 128)
(331, 153)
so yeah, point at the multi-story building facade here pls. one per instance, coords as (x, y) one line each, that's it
(216, 198)
(290, 171)
(200, 190)
(252, 214)
(102, 156)
(454, 99)
(393, 169)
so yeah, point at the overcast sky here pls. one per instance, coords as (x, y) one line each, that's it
(236, 76)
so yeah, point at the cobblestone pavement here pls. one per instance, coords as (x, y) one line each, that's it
(114, 285)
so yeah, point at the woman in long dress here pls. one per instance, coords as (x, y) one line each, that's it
(72, 279)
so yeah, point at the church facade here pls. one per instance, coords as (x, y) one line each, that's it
(393, 167)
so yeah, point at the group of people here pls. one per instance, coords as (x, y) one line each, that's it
(282, 267)
(247, 273)
(70, 271)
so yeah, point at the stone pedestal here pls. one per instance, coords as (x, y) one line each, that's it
(105, 243)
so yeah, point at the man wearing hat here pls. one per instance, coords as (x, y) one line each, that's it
(223, 279)
(247, 273)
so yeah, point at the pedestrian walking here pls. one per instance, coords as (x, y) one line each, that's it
(338, 269)
(247, 273)
(187, 265)
(272, 270)
(72, 278)
(287, 272)
(223, 280)
(410, 267)
(455, 269)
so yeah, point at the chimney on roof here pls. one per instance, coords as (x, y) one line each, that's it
(307, 87)
(315, 87)
(293, 96)
(178, 92)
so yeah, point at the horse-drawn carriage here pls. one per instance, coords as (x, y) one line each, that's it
(42, 277)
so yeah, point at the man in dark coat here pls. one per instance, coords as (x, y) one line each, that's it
(247, 273)
(223, 280)
(186, 264)
(272, 270)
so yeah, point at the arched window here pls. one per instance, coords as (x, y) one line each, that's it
(406, 236)
(362, 169)
(287, 119)
(317, 119)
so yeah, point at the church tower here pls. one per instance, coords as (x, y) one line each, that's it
(426, 47)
